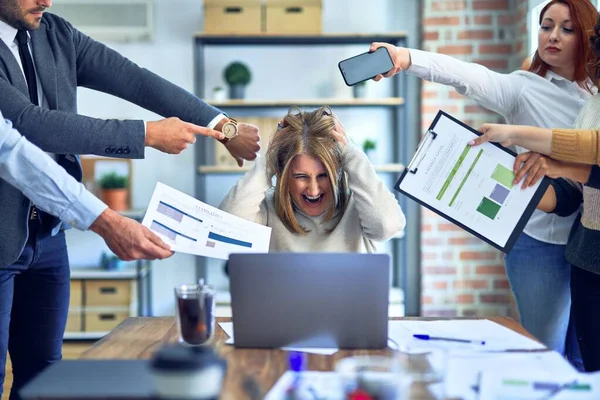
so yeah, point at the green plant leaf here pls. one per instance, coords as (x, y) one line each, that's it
(237, 73)
(369, 144)
(113, 180)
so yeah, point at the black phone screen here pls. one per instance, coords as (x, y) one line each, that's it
(365, 66)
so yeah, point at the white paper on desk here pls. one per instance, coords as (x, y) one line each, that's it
(519, 383)
(312, 385)
(191, 226)
(496, 337)
(464, 371)
(228, 329)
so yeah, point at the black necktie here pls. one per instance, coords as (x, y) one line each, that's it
(28, 68)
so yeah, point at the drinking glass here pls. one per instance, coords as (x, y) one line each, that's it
(195, 310)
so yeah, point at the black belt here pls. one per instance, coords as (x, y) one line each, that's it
(34, 213)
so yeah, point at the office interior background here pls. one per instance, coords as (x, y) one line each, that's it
(443, 270)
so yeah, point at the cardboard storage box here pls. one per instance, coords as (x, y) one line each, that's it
(228, 17)
(103, 321)
(293, 16)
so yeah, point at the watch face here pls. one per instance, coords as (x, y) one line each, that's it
(229, 130)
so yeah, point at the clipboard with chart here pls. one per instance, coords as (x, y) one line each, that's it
(471, 187)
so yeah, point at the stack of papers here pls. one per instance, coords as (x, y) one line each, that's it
(465, 372)
(495, 336)
(525, 384)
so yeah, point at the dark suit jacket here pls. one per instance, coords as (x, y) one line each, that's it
(65, 59)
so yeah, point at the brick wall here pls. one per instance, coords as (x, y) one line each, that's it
(462, 275)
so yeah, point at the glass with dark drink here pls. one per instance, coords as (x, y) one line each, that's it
(195, 308)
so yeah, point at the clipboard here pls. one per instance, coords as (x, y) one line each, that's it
(415, 166)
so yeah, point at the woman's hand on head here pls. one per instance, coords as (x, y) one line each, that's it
(400, 58)
(498, 133)
(339, 133)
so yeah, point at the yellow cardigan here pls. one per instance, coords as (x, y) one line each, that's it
(576, 145)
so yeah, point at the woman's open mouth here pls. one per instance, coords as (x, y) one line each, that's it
(313, 201)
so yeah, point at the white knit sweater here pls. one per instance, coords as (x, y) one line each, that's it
(372, 215)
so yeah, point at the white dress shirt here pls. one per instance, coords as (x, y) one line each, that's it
(522, 98)
(43, 181)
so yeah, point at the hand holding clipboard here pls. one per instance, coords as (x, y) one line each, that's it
(470, 186)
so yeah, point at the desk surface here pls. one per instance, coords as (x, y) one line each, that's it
(139, 338)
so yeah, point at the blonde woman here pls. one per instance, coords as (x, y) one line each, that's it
(326, 197)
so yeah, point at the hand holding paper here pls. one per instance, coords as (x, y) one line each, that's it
(191, 226)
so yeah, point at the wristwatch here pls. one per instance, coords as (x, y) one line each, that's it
(230, 130)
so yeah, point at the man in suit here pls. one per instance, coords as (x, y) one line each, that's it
(43, 60)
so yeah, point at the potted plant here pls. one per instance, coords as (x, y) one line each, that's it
(110, 262)
(219, 94)
(359, 90)
(113, 187)
(237, 75)
(369, 146)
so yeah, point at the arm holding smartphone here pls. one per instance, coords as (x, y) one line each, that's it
(366, 66)
(400, 58)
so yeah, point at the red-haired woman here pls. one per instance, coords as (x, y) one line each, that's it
(549, 94)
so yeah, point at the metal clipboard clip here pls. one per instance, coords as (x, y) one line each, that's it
(424, 145)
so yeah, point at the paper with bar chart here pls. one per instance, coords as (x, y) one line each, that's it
(191, 226)
(471, 186)
(520, 383)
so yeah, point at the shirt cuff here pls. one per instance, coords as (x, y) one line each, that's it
(419, 61)
(84, 211)
(215, 121)
(145, 128)
(594, 179)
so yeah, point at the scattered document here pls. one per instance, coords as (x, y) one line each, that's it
(464, 371)
(471, 186)
(310, 385)
(524, 384)
(495, 336)
(191, 226)
(228, 328)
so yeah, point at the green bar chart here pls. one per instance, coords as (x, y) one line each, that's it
(503, 176)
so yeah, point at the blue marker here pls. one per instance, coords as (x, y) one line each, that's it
(427, 337)
(297, 365)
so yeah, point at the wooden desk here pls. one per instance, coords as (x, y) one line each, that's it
(139, 338)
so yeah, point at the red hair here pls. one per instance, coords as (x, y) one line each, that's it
(583, 17)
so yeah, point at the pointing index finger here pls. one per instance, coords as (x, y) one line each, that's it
(201, 130)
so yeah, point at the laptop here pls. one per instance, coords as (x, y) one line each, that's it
(323, 300)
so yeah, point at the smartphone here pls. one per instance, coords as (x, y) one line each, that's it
(365, 66)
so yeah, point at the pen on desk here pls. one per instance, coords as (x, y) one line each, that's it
(297, 362)
(428, 337)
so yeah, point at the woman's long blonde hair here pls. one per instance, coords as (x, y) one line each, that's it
(308, 133)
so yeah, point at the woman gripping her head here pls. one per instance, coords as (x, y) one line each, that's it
(549, 94)
(326, 197)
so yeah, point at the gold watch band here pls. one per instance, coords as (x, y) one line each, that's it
(230, 121)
